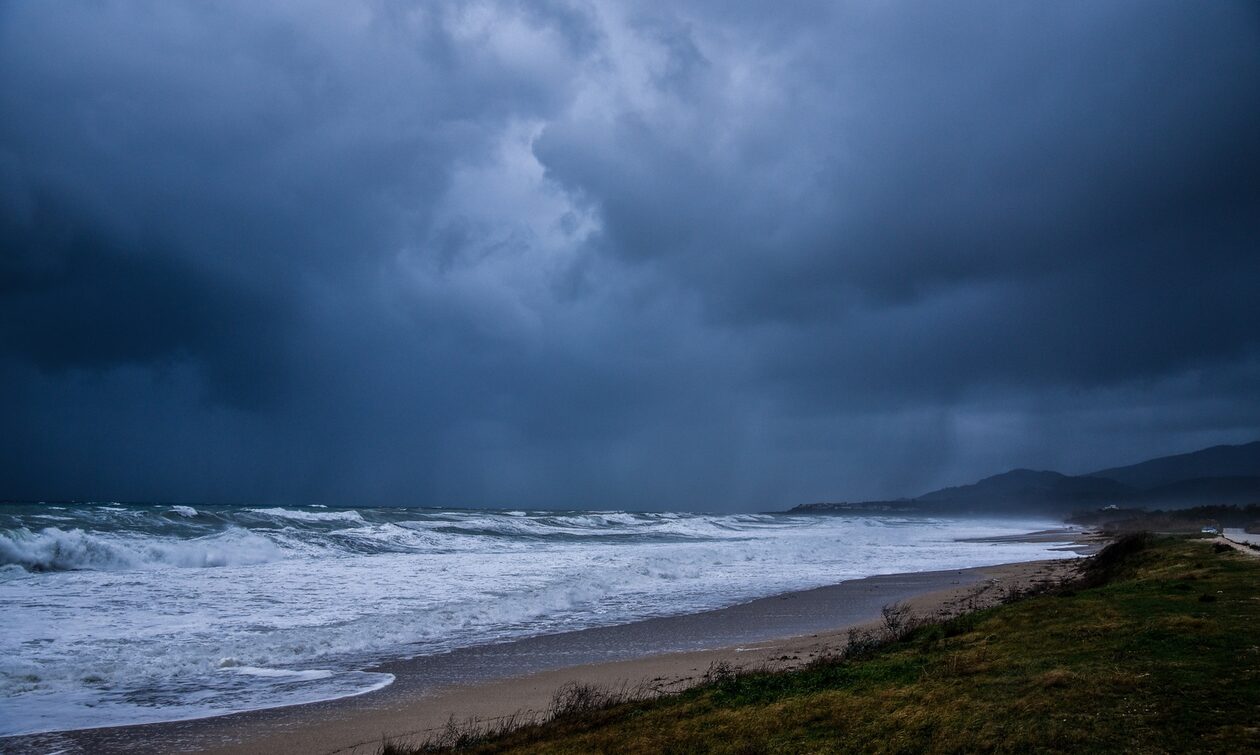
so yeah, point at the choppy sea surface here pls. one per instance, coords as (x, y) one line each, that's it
(118, 613)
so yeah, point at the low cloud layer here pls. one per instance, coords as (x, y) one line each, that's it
(649, 255)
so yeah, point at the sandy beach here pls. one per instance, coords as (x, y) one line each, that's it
(661, 654)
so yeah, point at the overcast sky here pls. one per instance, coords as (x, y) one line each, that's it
(707, 255)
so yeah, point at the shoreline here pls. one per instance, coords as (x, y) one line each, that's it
(491, 681)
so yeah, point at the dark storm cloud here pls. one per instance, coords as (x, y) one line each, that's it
(708, 255)
(73, 299)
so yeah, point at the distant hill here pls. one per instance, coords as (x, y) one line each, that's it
(1028, 486)
(1217, 461)
(1220, 475)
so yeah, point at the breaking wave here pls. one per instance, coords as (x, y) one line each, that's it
(117, 537)
(311, 516)
(54, 549)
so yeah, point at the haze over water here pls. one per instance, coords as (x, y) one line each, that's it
(131, 613)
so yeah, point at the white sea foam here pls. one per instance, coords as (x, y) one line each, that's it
(12, 571)
(311, 516)
(280, 673)
(184, 510)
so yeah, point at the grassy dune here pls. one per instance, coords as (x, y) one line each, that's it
(1161, 653)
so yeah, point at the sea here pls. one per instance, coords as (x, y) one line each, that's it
(116, 613)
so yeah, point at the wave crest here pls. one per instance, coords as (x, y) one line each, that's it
(311, 516)
(54, 549)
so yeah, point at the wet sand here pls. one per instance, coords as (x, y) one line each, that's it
(486, 682)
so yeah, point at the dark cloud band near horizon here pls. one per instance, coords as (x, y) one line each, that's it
(719, 256)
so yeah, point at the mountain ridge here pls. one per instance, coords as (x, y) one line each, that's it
(1242, 460)
(1221, 474)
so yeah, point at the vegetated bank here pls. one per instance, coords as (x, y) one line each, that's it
(1156, 648)
(1114, 519)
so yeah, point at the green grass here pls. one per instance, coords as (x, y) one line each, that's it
(1162, 656)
